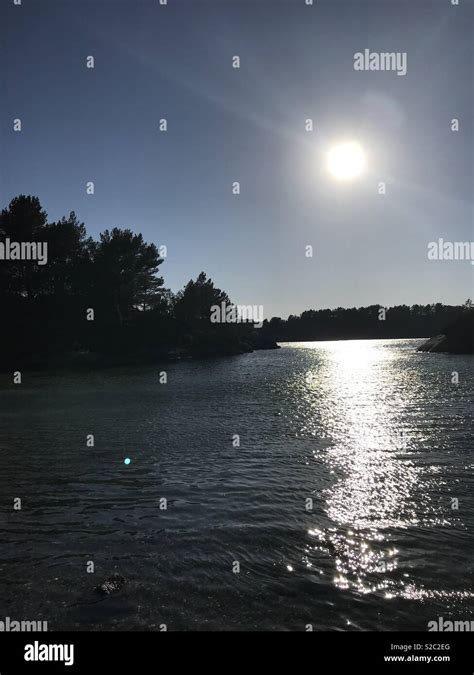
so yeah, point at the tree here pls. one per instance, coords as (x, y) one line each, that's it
(23, 221)
(69, 258)
(193, 304)
(125, 273)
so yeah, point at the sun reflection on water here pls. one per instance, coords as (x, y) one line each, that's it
(361, 405)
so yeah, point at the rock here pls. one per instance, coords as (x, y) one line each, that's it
(111, 585)
(458, 337)
(432, 344)
(260, 341)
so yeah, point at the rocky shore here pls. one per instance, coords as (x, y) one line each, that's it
(458, 337)
(195, 349)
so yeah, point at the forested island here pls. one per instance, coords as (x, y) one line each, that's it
(86, 302)
(453, 325)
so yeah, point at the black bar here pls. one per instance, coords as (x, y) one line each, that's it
(141, 653)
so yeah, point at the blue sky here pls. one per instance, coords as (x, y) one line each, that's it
(248, 125)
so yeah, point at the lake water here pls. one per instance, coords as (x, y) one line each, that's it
(338, 506)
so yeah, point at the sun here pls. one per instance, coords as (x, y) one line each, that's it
(346, 161)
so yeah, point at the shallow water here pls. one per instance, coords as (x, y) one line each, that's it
(337, 505)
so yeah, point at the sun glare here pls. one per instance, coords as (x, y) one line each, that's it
(346, 161)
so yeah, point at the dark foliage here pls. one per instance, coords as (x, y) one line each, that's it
(363, 323)
(457, 337)
(46, 309)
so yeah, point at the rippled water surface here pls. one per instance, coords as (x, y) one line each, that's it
(339, 504)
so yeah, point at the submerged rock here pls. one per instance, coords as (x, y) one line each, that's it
(111, 585)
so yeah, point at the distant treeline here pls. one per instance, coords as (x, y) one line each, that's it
(100, 299)
(103, 301)
(401, 321)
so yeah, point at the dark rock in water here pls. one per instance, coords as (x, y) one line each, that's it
(260, 341)
(433, 344)
(458, 337)
(111, 585)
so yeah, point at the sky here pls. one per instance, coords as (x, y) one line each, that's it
(248, 124)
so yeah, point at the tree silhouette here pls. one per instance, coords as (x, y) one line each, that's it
(44, 307)
(193, 304)
(23, 221)
(125, 272)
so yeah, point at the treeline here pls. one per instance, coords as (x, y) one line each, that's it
(104, 301)
(375, 321)
(100, 299)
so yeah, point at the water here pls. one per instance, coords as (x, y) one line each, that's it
(337, 506)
